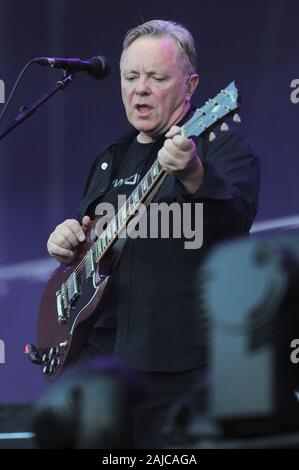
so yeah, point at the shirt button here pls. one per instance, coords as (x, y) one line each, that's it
(104, 166)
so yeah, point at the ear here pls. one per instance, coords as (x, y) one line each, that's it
(191, 85)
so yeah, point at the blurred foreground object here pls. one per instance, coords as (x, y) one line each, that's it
(89, 408)
(248, 294)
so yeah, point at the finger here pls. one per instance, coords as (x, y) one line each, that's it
(168, 161)
(174, 130)
(75, 227)
(170, 147)
(65, 238)
(57, 250)
(174, 151)
(182, 143)
(86, 221)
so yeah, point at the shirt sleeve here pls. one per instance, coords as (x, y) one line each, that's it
(230, 188)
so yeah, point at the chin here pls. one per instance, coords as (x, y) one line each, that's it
(143, 124)
(144, 129)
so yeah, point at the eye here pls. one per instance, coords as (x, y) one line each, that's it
(131, 78)
(159, 79)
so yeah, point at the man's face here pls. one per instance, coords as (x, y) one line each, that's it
(154, 85)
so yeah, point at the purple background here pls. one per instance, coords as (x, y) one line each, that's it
(44, 162)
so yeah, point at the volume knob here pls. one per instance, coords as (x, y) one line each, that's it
(55, 363)
(45, 359)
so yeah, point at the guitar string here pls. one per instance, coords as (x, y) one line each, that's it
(128, 212)
(188, 129)
(126, 205)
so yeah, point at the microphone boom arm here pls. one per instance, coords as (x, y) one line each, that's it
(27, 111)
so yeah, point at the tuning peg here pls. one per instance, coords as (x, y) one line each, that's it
(237, 118)
(212, 136)
(224, 127)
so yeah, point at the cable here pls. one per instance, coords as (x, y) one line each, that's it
(15, 87)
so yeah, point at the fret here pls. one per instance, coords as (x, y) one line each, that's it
(145, 185)
(103, 243)
(128, 206)
(140, 192)
(135, 197)
(150, 178)
(124, 213)
(108, 232)
(111, 230)
(113, 227)
(154, 170)
(98, 250)
(119, 218)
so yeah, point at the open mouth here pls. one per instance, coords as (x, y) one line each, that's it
(143, 109)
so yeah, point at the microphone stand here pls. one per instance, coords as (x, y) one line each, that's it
(27, 111)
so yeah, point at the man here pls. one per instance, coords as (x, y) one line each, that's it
(151, 319)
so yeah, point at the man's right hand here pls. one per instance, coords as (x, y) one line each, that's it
(63, 242)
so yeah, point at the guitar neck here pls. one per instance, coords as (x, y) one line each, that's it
(206, 117)
(127, 210)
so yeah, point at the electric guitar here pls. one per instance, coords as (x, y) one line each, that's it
(73, 296)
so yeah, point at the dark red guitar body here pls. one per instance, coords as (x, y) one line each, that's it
(74, 295)
(60, 343)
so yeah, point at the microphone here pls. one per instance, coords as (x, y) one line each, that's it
(97, 67)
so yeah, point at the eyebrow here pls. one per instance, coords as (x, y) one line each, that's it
(148, 73)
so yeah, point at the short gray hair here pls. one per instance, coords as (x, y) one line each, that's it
(160, 28)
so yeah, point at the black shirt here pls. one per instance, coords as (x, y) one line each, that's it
(127, 174)
(159, 316)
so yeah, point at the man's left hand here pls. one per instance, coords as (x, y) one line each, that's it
(179, 157)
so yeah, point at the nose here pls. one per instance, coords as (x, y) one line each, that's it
(142, 88)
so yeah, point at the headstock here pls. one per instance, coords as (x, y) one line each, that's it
(213, 111)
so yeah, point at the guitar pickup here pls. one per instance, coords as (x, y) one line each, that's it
(73, 290)
(89, 264)
(62, 307)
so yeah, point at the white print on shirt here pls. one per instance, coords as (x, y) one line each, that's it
(131, 180)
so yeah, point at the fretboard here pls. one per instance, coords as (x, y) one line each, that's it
(204, 118)
(114, 228)
(127, 210)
